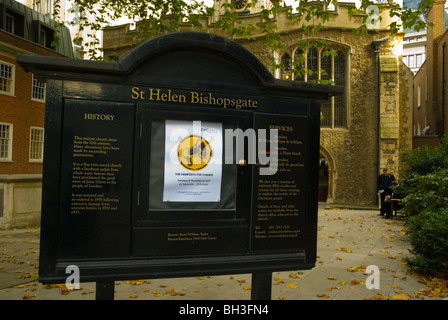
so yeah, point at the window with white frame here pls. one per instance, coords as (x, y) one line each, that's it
(414, 60)
(320, 64)
(7, 76)
(5, 141)
(36, 144)
(38, 90)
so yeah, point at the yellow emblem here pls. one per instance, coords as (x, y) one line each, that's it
(194, 152)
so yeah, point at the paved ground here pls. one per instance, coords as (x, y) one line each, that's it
(348, 242)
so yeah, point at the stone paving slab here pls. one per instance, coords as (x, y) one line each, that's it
(348, 242)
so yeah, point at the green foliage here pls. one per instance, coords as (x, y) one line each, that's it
(425, 178)
(426, 192)
(160, 16)
(428, 234)
(426, 203)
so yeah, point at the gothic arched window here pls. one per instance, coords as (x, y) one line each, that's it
(299, 65)
(286, 62)
(324, 65)
(339, 104)
(312, 64)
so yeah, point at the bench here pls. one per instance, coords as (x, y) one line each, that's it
(396, 205)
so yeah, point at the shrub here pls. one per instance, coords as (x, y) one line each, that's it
(424, 180)
(428, 235)
(425, 186)
(425, 159)
(426, 192)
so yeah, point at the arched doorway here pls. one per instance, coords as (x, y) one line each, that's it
(323, 179)
(326, 171)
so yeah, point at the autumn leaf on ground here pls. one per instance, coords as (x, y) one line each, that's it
(292, 285)
(345, 249)
(137, 282)
(378, 296)
(332, 288)
(64, 289)
(331, 278)
(29, 275)
(247, 287)
(437, 287)
(360, 268)
(401, 296)
(157, 294)
(322, 295)
(174, 293)
(89, 292)
(294, 276)
(279, 280)
(133, 296)
(241, 281)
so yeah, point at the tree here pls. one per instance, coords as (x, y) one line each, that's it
(160, 17)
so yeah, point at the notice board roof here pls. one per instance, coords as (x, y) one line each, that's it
(192, 58)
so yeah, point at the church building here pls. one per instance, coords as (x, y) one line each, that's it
(363, 130)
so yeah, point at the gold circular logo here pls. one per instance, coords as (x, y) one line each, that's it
(194, 152)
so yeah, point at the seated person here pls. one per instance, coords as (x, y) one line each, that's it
(389, 194)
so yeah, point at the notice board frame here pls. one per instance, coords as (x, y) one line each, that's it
(149, 73)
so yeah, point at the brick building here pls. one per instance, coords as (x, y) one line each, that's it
(430, 110)
(363, 130)
(22, 109)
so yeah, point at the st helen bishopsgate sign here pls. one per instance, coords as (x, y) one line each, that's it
(185, 158)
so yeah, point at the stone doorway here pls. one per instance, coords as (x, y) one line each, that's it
(326, 172)
(323, 179)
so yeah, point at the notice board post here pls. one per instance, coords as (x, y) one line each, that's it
(184, 158)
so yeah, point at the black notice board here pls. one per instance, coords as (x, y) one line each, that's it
(104, 207)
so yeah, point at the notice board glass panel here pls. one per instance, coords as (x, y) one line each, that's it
(183, 196)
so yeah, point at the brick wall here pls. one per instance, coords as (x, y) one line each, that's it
(19, 110)
(442, 100)
(436, 15)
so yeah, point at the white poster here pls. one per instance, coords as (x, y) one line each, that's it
(193, 161)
